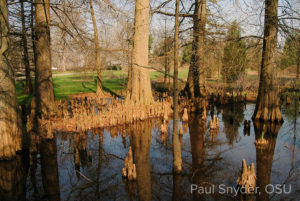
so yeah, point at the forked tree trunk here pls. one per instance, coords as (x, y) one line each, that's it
(28, 86)
(139, 91)
(10, 128)
(177, 162)
(99, 91)
(267, 104)
(195, 86)
(43, 72)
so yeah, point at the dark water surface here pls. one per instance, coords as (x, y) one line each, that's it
(88, 166)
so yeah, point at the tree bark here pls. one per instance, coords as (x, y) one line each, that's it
(195, 86)
(10, 125)
(139, 82)
(177, 162)
(99, 91)
(33, 34)
(43, 72)
(298, 60)
(28, 86)
(267, 105)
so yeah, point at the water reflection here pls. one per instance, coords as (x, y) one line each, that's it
(80, 151)
(88, 166)
(197, 129)
(264, 156)
(233, 116)
(13, 179)
(49, 169)
(140, 140)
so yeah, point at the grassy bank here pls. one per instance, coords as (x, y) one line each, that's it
(68, 83)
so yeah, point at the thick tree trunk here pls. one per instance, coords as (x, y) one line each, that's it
(99, 91)
(139, 82)
(43, 72)
(177, 162)
(195, 86)
(28, 86)
(10, 127)
(267, 105)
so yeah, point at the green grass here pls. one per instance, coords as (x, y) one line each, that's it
(65, 84)
(72, 82)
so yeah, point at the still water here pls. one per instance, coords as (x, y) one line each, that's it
(88, 166)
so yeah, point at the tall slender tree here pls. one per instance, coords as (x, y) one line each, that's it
(99, 91)
(177, 161)
(139, 85)
(10, 132)
(43, 72)
(28, 86)
(195, 85)
(267, 104)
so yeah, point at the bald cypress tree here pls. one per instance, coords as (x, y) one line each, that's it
(267, 104)
(10, 132)
(195, 86)
(139, 84)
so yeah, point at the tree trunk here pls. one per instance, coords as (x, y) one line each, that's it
(64, 51)
(10, 127)
(165, 55)
(298, 60)
(33, 33)
(99, 91)
(267, 104)
(43, 72)
(28, 86)
(140, 84)
(195, 86)
(177, 162)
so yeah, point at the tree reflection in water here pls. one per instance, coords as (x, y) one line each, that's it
(140, 141)
(49, 168)
(197, 129)
(264, 156)
(53, 169)
(13, 179)
(233, 116)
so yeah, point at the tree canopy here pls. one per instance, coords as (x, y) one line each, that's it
(235, 54)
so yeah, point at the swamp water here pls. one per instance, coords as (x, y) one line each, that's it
(89, 166)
